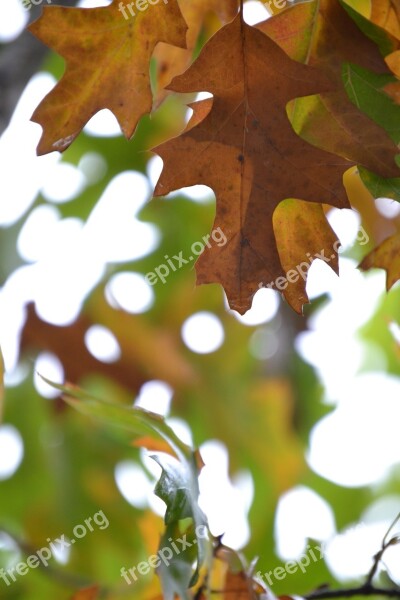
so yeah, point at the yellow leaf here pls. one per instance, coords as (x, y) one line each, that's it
(302, 234)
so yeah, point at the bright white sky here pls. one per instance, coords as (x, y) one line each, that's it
(356, 445)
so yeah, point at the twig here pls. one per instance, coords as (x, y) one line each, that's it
(362, 590)
(378, 555)
(367, 588)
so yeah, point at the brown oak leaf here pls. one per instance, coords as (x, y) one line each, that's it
(241, 144)
(172, 61)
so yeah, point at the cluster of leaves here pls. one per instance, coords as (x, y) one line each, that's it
(275, 156)
(313, 103)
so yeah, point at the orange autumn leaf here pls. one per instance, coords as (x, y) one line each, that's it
(393, 62)
(172, 61)
(90, 593)
(238, 586)
(231, 579)
(107, 65)
(153, 445)
(244, 153)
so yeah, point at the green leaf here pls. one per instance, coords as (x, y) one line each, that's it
(365, 90)
(137, 421)
(380, 187)
(177, 487)
(176, 573)
(385, 42)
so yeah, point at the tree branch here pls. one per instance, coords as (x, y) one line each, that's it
(362, 590)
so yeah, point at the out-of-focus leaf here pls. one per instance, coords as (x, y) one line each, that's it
(152, 444)
(136, 420)
(177, 487)
(1, 386)
(233, 579)
(154, 349)
(147, 351)
(377, 336)
(393, 62)
(67, 343)
(393, 91)
(90, 593)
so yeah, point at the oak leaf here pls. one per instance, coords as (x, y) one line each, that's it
(241, 144)
(141, 345)
(68, 344)
(303, 235)
(385, 256)
(322, 34)
(108, 60)
(172, 61)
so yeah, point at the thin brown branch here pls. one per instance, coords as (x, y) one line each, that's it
(378, 556)
(363, 590)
